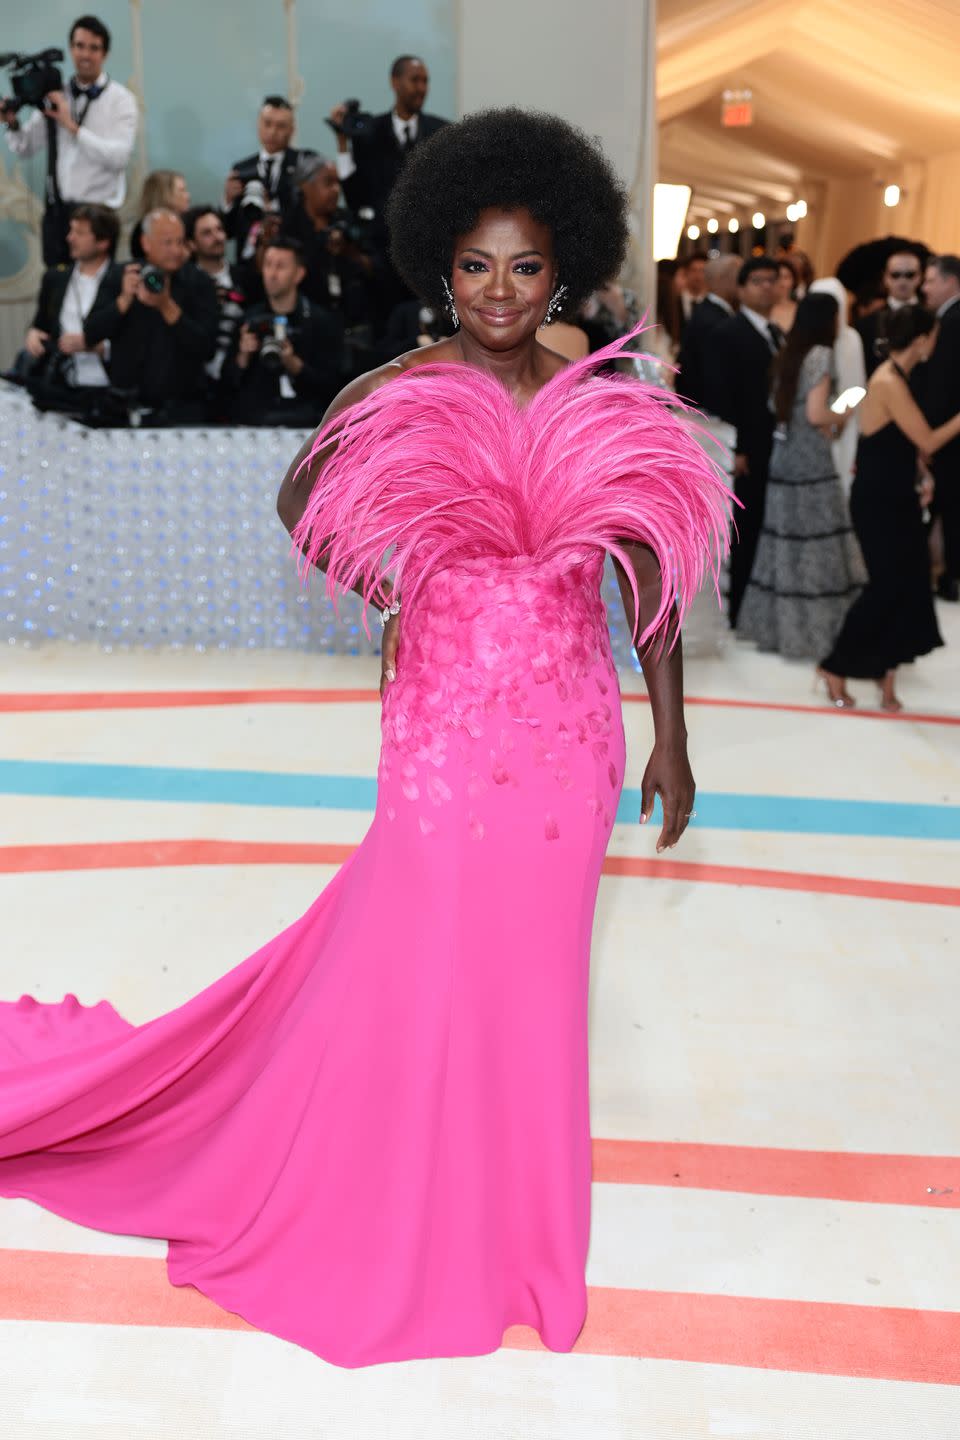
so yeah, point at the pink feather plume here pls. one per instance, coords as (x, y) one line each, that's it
(441, 463)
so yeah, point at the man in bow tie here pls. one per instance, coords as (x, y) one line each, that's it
(89, 130)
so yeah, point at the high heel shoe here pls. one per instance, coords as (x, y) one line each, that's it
(836, 688)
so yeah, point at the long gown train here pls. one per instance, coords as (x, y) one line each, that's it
(372, 1137)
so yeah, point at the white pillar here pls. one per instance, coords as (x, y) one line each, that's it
(591, 61)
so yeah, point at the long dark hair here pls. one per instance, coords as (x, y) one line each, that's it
(901, 327)
(815, 324)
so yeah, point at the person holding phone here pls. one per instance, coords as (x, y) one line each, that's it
(893, 621)
(807, 567)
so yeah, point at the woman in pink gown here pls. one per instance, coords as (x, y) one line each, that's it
(372, 1137)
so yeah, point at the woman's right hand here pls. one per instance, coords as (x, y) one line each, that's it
(388, 653)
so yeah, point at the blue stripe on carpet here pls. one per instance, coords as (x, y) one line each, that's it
(812, 815)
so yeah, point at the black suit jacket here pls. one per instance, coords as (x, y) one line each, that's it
(940, 398)
(698, 371)
(740, 363)
(238, 219)
(162, 363)
(53, 290)
(379, 160)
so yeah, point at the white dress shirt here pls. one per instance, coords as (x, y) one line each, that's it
(402, 129)
(761, 325)
(91, 165)
(82, 290)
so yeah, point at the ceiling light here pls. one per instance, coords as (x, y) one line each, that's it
(713, 226)
(801, 208)
(733, 225)
(759, 220)
(792, 213)
(693, 232)
(891, 196)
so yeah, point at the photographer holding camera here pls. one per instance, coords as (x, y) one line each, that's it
(89, 129)
(371, 150)
(337, 263)
(286, 366)
(161, 319)
(57, 364)
(263, 183)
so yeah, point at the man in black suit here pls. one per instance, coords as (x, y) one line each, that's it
(161, 320)
(697, 375)
(62, 371)
(368, 164)
(262, 183)
(740, 364)
(901, 281)
(941, 400)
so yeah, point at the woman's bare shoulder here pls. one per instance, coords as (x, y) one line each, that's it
(373, 380)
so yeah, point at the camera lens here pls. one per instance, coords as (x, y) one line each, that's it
(153, 279)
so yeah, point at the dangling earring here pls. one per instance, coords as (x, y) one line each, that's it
(556, 301)
(451, 307)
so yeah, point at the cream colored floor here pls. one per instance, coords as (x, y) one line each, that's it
(719, 1015)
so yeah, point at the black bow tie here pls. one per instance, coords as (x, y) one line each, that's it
(91, 91)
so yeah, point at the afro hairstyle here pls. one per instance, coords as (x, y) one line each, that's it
(509, 159)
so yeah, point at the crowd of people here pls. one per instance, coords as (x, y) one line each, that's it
(258, 306)
(842, 414)
(255, 307)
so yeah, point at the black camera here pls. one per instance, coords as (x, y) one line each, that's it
(153, 278)
(355, 124)
(32, 77)
(273, 332)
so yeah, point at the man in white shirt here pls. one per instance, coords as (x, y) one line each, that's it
(89, 129)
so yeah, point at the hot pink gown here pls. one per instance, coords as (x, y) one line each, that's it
(372, 1137)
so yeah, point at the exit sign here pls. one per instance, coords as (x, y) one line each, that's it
(738, 112)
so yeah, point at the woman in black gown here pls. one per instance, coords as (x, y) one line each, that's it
(892, 621)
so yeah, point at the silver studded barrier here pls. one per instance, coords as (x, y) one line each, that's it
(170, 538)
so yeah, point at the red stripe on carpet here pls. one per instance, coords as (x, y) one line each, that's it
(878, 1342)
(133, 854)
(811, 1174)
(183, 699)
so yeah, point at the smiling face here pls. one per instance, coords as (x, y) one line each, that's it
(503, 276)
(88, 53)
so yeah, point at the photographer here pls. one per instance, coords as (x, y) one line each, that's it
(286, 367)
(89, 131)
(161, 320)
(207, 244)
(371, 151)
(62, 371)
(338, 268)
(263, 183)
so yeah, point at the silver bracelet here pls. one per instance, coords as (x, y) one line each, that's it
(392, 609)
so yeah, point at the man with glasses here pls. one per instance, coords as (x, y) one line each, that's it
(901, 280)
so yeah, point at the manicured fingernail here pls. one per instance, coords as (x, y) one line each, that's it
(643, 819)
(391, 674)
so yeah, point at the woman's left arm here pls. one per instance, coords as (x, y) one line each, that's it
(668, 770)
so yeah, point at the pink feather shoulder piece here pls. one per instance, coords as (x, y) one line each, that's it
(440, 463)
